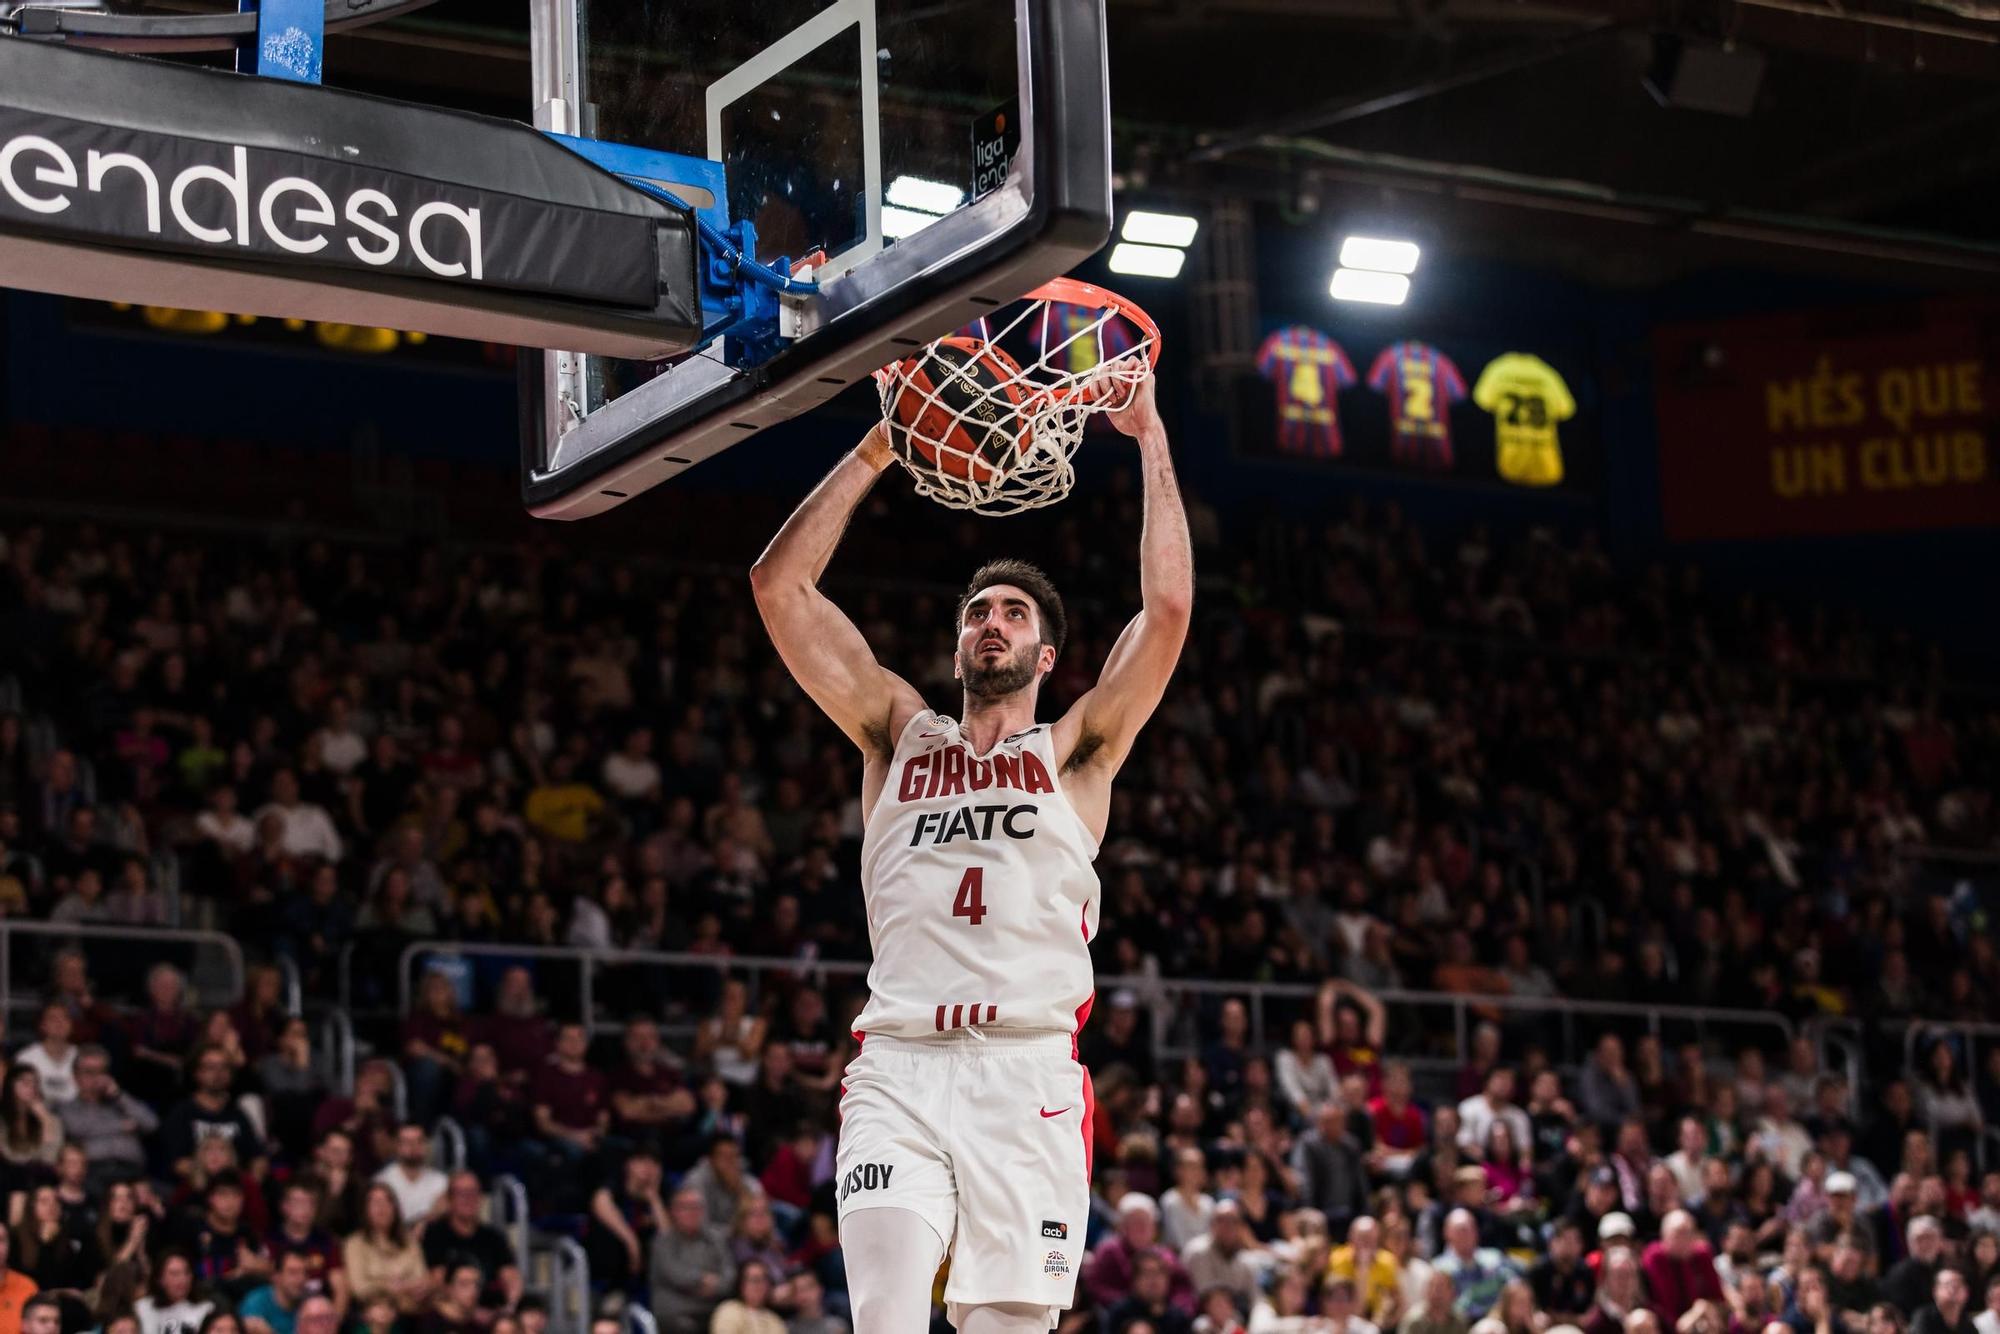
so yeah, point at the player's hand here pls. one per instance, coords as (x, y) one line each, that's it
(1140, 415)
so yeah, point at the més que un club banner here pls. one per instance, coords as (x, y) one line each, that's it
(1882, 419)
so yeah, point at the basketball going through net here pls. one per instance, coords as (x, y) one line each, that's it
(988, 419)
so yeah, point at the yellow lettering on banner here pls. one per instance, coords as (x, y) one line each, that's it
(1820, 401)
(1808, 470)
(1893, 398)
(1785, 406)
(1965, 376)
(1948, 389)
(1968, 457)
(1891, 463)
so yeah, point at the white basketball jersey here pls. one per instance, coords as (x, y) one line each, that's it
(976, 873)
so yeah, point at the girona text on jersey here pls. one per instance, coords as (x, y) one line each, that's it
(951, 772)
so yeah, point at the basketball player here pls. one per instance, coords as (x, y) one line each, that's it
(966, 1118)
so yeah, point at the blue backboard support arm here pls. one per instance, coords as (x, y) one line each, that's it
(739, 296)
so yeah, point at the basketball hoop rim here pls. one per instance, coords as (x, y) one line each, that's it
(1076, 292)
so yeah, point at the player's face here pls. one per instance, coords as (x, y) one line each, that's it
(1000, 642)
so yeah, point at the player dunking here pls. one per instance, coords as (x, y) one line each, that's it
(965, 1120)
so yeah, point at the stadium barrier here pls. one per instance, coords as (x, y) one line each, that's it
(119, 958)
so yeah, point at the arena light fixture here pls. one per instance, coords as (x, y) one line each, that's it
(924, 196)
(1382, 289)
(1163, 229)
(1379, 254)
(1146, 261)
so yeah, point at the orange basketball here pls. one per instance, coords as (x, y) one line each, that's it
(957, 407)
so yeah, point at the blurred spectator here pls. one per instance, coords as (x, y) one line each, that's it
(1619, 1293)
(1948, 1311)
(211, 1111)
(1332, 1178)
(274, 1308)
(298, 1233)
(690, 1267)
(1227, 1256)
(1908, 1284)
(1437, 1312)
(418, 1187)
(1477, 1273)
(382, 1259)
(1565, 1289)
(170, 1307)
(623, 1223)
(29, 1132)
(809, 1314)
(649, 1102)
(749, 1310)
(305, 828)
(1107, 1274)
(1679, 1269)
(1186, 1207)
(458, 1236)
(437, 1039)
(1607, 1094)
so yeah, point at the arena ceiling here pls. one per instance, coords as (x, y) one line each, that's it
(1871, 140)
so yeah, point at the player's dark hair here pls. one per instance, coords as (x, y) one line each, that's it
(1030, 580)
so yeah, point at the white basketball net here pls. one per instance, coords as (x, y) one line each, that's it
(1074, 353)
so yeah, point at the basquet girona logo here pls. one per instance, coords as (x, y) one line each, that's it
(176, 202)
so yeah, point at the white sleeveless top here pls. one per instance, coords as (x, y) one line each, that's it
(976, 874)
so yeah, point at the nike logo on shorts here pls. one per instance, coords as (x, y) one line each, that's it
(1046, 1113)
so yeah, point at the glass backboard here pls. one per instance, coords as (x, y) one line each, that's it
(943, 158)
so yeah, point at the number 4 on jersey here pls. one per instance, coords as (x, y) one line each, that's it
(971, 901)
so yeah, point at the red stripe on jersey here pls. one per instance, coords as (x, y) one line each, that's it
(957, 1016)
(940, 1019)
(989, 1013)
(972, 1014)
(1089, 1126)
(1083, 1010)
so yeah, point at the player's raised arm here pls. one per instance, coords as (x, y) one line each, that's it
(821, 647)
(1100, 727)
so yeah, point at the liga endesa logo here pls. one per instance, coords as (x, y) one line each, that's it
(293, 213)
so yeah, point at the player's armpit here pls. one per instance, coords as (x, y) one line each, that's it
(827, 656)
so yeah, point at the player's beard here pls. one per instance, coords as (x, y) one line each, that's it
(1009, 676)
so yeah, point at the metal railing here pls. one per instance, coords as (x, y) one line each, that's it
(294, 986)
(1175, 1005)
(448, 1145)
(200, 972)
(508, 1203)
(569, 1287)
(1830, 1035)
(590, 964)
(337, 1049)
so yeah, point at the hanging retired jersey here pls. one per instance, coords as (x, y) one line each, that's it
(1421, 384)
(1527, 399)
(1307, 369)
(977, 880)
(1075, 338)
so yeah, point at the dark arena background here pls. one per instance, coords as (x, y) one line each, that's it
(1558, 891)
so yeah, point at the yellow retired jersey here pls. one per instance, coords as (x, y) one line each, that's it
(1527, 399)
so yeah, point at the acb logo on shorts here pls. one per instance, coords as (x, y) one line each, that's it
(1057, 1265)
(1059, 1231)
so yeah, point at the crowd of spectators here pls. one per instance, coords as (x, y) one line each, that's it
(1390, 762)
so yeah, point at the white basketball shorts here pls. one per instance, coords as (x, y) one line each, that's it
(985, 1134)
